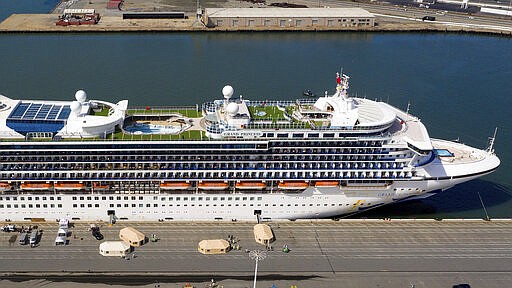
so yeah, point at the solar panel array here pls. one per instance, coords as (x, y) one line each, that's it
(33, 111)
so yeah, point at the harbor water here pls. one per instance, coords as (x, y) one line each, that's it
(458, 84)
(8, 7)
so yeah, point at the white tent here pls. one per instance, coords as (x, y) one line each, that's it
(115, 248)
(214, 246)
(263, 234)
(132, 236)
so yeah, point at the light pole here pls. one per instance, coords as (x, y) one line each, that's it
(257, 255)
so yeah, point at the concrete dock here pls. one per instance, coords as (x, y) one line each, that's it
(361, 253)
(388, 18)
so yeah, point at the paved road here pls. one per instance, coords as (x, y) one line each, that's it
(433, 251)
(388, 12)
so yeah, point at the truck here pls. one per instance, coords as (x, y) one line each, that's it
(64, 223)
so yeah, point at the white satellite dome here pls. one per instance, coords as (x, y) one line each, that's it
(232, 109)
(81, 96)
(75, 107)
(227, 91)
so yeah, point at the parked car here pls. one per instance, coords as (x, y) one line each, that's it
(59, 240)
(96, 232)
(9, 228)
(24, 237)
(34, 238)
(62, 232)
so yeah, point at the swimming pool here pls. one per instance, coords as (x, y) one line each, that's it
(144, 128)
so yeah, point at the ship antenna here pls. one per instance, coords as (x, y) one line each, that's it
(408, 106)
(490, 149)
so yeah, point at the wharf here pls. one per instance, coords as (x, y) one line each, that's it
(45, 23)
(388, 18)
(361, 253)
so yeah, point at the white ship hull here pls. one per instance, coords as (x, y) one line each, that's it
(314, 202)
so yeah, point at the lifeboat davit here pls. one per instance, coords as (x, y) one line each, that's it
(36, 186)
(292, 185)
(174, 185)
(326, 184)
(5, 186)
(212, 185)
(69, 186)
(250, 185)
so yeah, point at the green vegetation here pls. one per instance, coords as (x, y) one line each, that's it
(289, 110)
(187, 135)
(271, 112)
(103, 112)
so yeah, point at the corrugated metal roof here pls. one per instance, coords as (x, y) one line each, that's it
(287, 12)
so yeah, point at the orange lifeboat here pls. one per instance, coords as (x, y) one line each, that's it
(292, 185)
(36, 186)
(174, 185)
(250, 185)
(5, 186)
(99, 186)
(69, 186)
(326, 183)
(212, 185)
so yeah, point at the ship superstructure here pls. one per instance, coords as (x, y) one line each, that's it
(228, 159)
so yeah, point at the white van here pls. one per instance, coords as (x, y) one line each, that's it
(60, 240)
(62, 232)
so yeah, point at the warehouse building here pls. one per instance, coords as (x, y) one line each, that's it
(324, 18)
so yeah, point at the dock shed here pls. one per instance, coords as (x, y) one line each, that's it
(215, 246)
(284, 18)
(154, 15)
(115, 248)
(263, 234)
(132, 236)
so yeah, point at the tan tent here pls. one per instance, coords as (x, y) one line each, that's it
(132, 236)
(263, 234)
(215, 246)
(115, 248)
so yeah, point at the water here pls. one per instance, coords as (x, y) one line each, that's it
(8, 7)
(138, 129)
(459, 85)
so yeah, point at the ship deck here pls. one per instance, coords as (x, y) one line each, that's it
(265, 115)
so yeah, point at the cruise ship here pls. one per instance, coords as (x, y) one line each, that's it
(229, 159)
